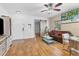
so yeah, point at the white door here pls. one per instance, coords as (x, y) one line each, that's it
(26, 31)
(17, 28)
(19, 31)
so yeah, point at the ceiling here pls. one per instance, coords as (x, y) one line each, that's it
(34, 9)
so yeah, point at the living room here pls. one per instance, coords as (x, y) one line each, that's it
(64, 28)
(58, 29)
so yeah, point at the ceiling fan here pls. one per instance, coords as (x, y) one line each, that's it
(51, 6)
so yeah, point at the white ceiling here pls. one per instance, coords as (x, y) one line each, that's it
(35, 8)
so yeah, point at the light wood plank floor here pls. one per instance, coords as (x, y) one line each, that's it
(32, 47)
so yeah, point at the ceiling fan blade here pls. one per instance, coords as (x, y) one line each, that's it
(57, 9)
(45, 5)
(48, 5)
(44, 10)
(58, 4)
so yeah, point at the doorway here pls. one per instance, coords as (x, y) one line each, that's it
(40, 27)
(37, 27)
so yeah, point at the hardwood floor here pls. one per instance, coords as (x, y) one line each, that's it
(36, 47)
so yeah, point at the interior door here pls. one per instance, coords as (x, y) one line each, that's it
(37, 28)
(19, 31)
(27, 31)
(17, 28)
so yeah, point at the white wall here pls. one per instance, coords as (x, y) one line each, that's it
(20, 21)
(72, 27)
(29, 32)
(3, 12)
(52, 21)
